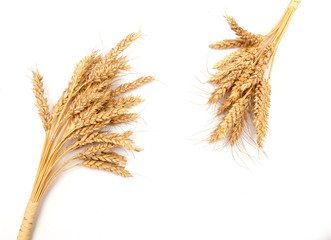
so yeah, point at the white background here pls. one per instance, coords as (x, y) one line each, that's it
(183, 188)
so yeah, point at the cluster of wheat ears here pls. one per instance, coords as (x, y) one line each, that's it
(79, 120)
(242, 82)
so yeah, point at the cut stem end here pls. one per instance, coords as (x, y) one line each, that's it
(28, 220)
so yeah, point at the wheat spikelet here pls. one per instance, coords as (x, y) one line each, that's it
(90, 103)
(241, 82)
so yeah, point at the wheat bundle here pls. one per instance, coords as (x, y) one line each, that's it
(79, 120)
(242, 83)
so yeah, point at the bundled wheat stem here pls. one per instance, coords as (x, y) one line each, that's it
(78, 121)
(242, 81)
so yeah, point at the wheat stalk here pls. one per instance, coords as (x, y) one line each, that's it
(90, 103)
(242, 83)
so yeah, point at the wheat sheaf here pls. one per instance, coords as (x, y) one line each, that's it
(242, 81)
(83, 119)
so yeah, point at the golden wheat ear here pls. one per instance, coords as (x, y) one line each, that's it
(89, 104)
(242, 86)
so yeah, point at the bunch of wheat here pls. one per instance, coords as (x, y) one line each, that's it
(242, 81)
(78, 121)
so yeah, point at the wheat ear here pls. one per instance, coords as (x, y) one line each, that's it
(42, 105)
